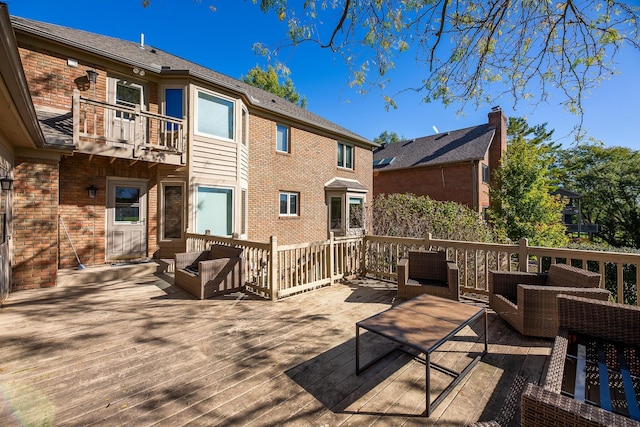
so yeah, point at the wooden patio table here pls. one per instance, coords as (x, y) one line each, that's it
(423, 324)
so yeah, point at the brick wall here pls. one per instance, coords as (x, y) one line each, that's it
(86, 218)
(35, 223)
(52, 81)
(448, 183)
(310, 164)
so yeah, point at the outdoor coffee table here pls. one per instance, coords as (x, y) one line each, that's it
(423, 324)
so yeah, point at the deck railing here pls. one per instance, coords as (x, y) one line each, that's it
(279, 271)
(120, 125)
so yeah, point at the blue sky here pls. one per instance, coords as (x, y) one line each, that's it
(222, 40)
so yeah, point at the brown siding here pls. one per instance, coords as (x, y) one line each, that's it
(310, 164)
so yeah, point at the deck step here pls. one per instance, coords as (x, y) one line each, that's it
(109, 272)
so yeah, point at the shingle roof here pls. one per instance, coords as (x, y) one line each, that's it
(450, 147)
(152, 59)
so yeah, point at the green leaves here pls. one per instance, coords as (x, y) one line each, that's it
(521, 200)
(269, 80)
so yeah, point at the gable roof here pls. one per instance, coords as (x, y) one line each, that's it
(155, 60)
(460, 145)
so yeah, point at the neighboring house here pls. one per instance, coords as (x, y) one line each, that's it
(134, 147)
(451, 166)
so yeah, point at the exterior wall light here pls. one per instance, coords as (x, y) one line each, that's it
(6, 183)
(92, 75)
(92, 191)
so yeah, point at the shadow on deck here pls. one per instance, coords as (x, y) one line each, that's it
(141, 351)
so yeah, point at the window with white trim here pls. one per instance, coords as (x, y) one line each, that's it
(214, 211)
(486, 176)
(282, 138)
(289, 203)
(214, 116)
(345, 155)
(356, 212)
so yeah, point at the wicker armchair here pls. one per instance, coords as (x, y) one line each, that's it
(527, 301)
(209, 273)
(603, 320)
(428, 273)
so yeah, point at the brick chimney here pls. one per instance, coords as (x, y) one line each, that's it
(498, 120)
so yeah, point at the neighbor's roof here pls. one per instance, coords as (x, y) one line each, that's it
(153, 59)
(449, 147)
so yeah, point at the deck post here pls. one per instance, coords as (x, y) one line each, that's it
(75, 109)
(523, 254)
(331, 262)
(427, 241)
(273, 268)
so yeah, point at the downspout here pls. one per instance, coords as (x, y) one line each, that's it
(476, 197)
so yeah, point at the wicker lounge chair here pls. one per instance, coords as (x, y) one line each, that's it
(614, 329)
(204, 274)
(428, 273)
(527, 301)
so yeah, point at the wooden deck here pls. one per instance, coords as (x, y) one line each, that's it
(142, 352)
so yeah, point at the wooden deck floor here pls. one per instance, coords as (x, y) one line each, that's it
(142, 352)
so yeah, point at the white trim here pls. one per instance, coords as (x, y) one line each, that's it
(196, 115)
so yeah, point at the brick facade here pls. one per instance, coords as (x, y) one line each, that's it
(309, 165)
(459, 182)
(86, 218)
(455, 182)
(35, 223)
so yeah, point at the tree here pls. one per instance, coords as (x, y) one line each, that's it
(469, 47)
(269, 80)
(387, 137)
(521, 200)
(607, 178)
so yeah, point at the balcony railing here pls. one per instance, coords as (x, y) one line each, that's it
(279, 271)
(124, 127)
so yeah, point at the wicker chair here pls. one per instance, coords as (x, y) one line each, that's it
(428, 273)
(204, 274)
(607, 321)
(527, 301)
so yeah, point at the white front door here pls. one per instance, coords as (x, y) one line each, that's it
(126, 219)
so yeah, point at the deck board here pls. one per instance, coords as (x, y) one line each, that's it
(142, 352)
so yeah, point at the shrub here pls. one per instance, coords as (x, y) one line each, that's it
(408, 215)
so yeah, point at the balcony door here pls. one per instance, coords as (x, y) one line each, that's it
(126, 219)
(128, 96)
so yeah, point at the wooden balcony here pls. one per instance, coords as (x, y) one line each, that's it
(139, 351)
(105, 129)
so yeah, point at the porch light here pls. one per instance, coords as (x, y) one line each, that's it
(6, 183)
(92, 191)
(92, 75)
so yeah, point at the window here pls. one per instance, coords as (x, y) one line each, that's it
(173, 106)
(172, 211)
(128, 95)
(288, 204)
(345, 156)
(485, 174)
(336, 213)
(356, 212)
(214, 116)
(127, 204)
(282, 138)
(215, 211)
